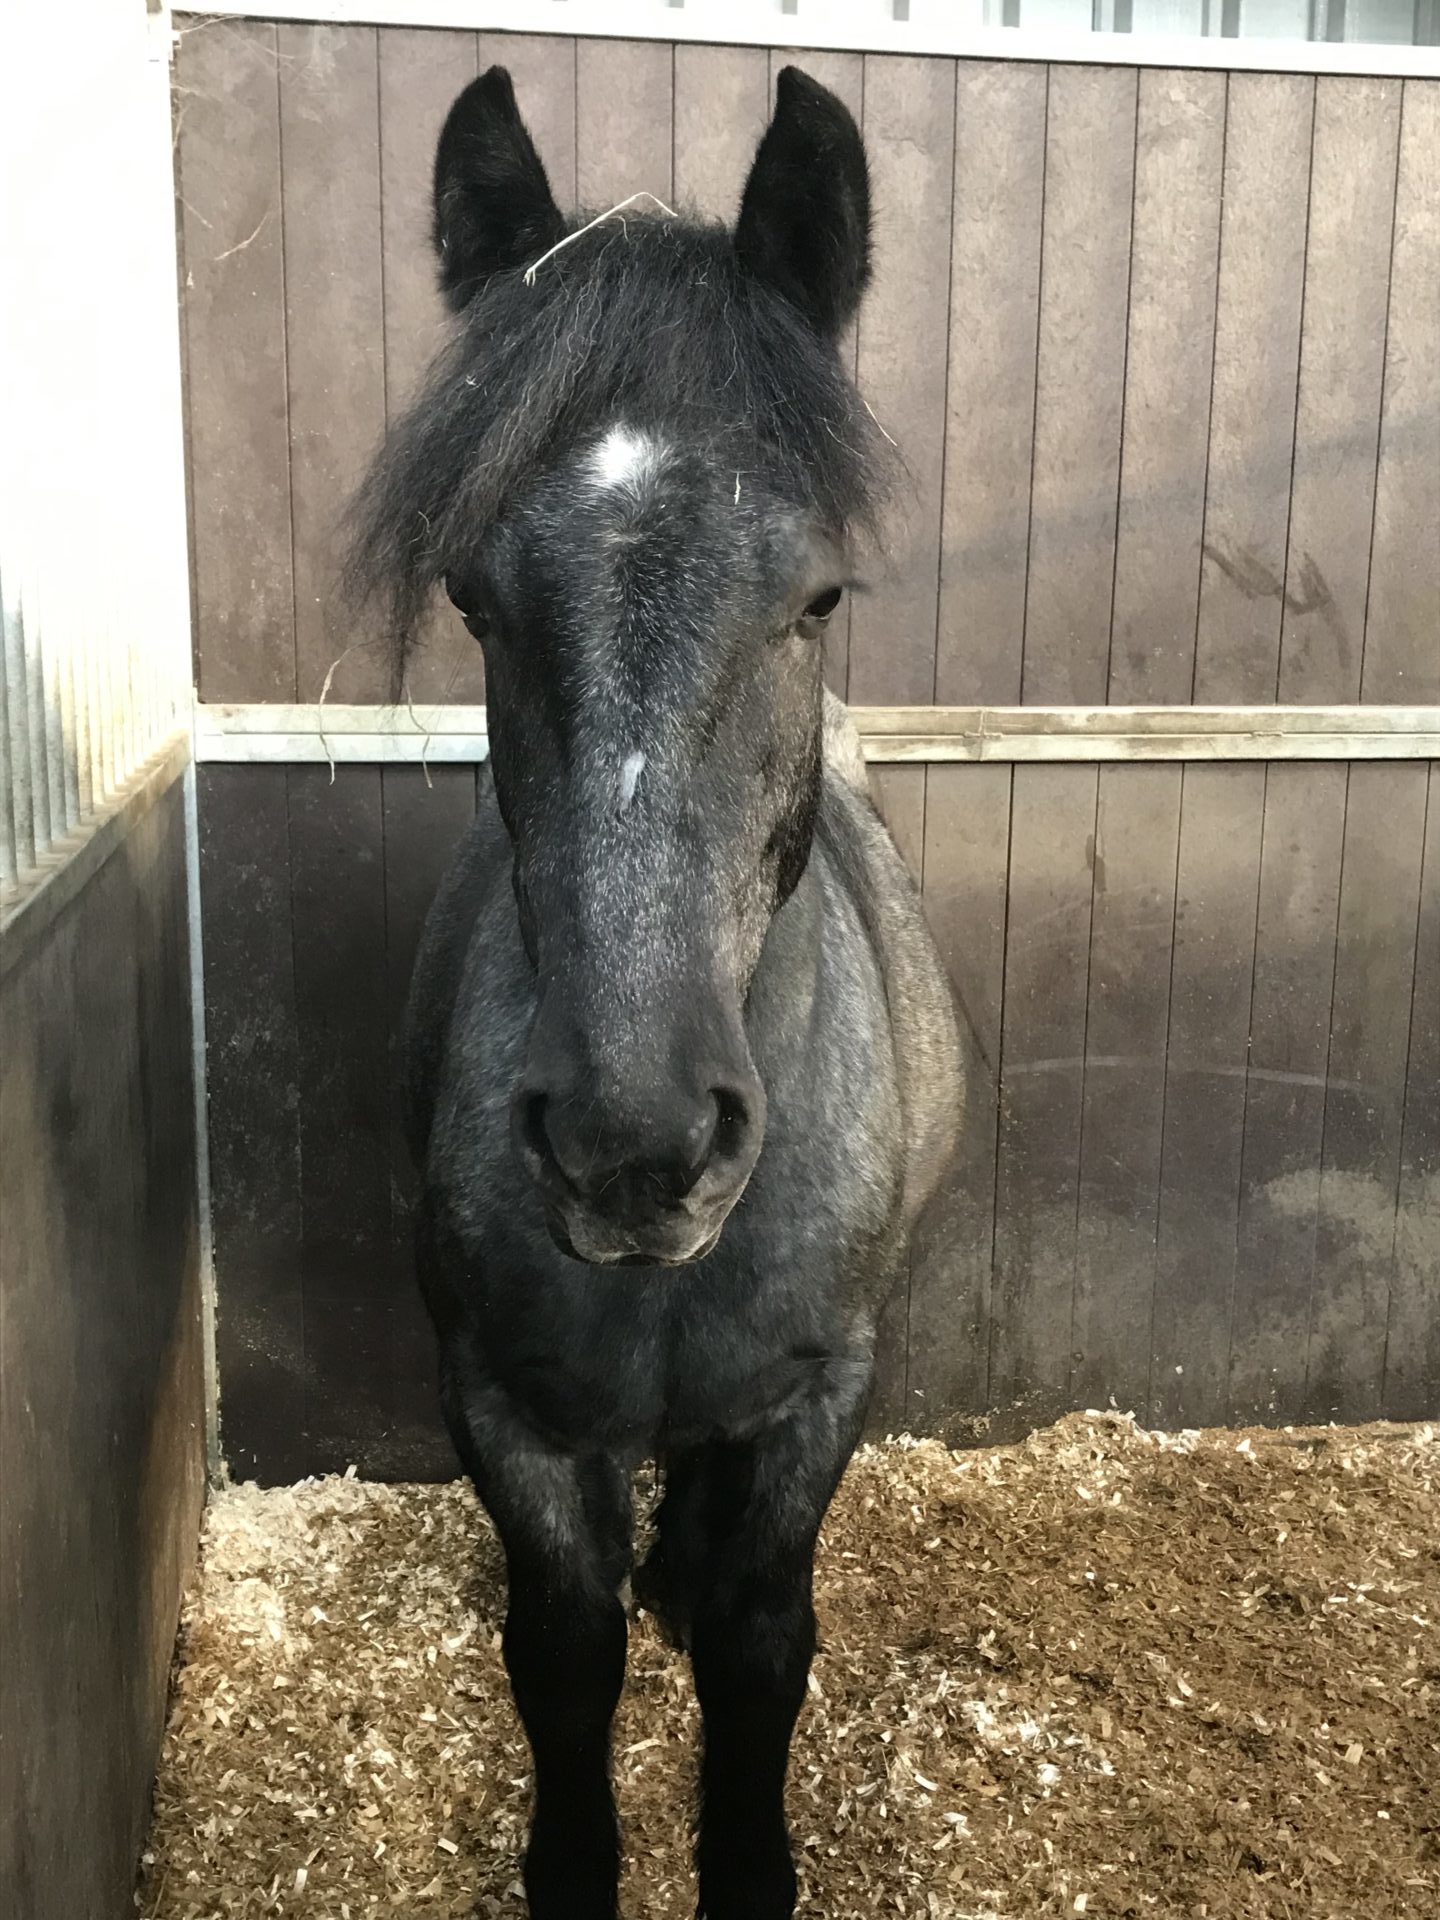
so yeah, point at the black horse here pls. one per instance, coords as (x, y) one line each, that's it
(682, 1067)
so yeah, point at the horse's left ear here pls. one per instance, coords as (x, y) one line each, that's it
(493, 204)
(804, 221)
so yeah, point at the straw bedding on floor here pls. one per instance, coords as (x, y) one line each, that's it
(1106, 1672)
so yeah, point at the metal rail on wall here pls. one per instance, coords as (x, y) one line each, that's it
(405, 735)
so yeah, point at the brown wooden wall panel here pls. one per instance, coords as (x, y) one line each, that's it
(1265, 212)
(337, 907)
(1402, 625)
(1137, 832)
(1042, 1063)
(1412, 1346)
(909, 124)
(1365, 1094)
(624, 121)
(990, 403)
(227, 108)
(1198, 1196)
(253, 1074)
(1342, 358)
(1174, 256)
(1212, 968)
(1284, 1124)
(1085, 334)
(967, 851)
(102, 1420)
(420, 72)
(722, 102)
(334, 331)
(314, 896)
(1080, 382)
(543, 67)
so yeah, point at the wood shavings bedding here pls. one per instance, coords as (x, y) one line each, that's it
(1106, 1672)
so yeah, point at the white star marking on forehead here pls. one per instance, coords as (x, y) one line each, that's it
(625, 459)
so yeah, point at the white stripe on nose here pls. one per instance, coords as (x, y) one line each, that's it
(630, 772)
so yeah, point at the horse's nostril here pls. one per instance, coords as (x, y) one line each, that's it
(699, 1145)
(732, 1123)
(530, 1116)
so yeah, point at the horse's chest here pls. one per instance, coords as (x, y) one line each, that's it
(675, 1362)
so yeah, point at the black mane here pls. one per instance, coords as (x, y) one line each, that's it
(646, 316)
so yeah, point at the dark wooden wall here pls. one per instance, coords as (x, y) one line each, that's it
(101, 1409)
(1159, 348)
(1207, 1187)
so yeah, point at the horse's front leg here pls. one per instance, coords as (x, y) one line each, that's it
(753, 1636)
(564, 1521)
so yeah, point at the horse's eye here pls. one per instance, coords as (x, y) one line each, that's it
(822, 608)
(477, 624)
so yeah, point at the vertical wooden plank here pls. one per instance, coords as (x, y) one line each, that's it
(904, 324)
(721, 102)
(1174, 258)
(1412, 1350)
(422, 826)
(900, 796)
(1365, 1097)
(1252, 408)
(1041, 1089)
(1285, 1089)
(844, 75)
(624, 120)
(341, 993)
(1137, 829)
(253, 1068)
(1215, 907)
(421, 71)
(1089, 181)
(990, 402)
(967, 844)
(334, 329)
(542, 65)
(1402, 622)
(228, 174)
(1342, 358)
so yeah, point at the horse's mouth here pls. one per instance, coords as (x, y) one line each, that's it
(592, 1252)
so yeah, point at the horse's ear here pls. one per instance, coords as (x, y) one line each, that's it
(804, 221)
(493, 204)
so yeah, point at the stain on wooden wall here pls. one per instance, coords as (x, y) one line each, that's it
(1200, 1177)
(1158, 347)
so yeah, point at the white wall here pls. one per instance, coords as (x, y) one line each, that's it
(93, 565)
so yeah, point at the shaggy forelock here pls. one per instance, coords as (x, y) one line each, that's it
(650, 319)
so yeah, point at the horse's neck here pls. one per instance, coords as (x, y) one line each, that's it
(843, 753)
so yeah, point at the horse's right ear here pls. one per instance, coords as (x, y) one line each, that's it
(804, 221)
(493, 204)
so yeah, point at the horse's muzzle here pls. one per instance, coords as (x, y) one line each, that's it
(640, 1188)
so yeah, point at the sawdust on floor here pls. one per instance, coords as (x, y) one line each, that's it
(1103, 1673)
